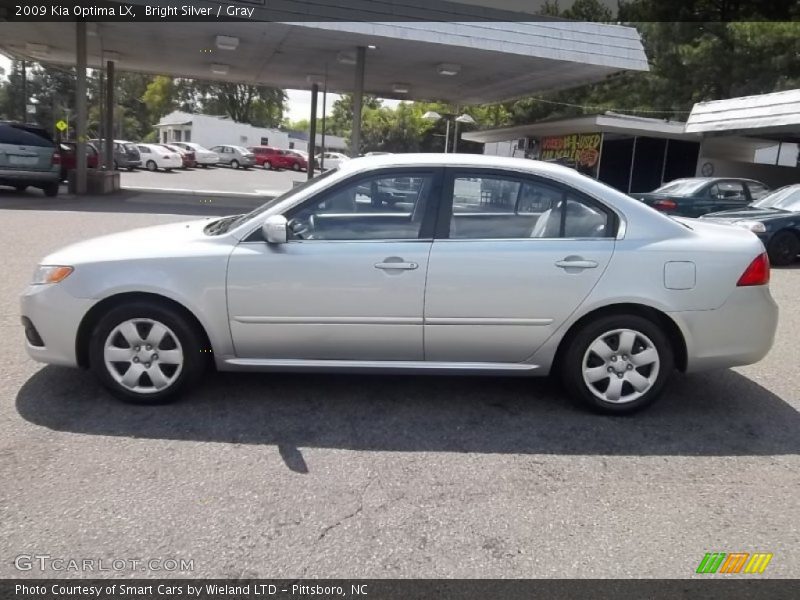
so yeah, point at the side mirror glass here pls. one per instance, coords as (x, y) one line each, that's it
(274, 229)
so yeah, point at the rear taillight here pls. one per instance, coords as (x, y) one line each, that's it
(56, 160)
(757, 273)
(665, 205)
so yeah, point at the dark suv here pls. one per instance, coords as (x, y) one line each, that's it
(28, 158)
(126, 154)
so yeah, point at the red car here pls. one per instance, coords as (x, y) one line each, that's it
(68, 157)
(275, 158)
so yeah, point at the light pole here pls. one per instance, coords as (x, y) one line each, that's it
(432, 115)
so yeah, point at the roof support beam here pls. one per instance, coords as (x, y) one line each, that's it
(80, 104)
(358, 99)
(312, 132)
(108, 150)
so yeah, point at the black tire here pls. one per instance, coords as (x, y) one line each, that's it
(51, 189)
(204, 166)
(116, 166)
(267, 166)
(168, 170)
(130, 169)
(195, 358)
(234, 164)
(783, 248)
(20, 188)
(151, 166)
(571, 367)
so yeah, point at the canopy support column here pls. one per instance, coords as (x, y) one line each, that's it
(358, 100)
(108, 155)
(80, 104)
(312, 132)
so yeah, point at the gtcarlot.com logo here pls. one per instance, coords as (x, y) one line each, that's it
(734, 562)
(45, 562)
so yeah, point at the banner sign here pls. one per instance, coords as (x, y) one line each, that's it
(581, 151)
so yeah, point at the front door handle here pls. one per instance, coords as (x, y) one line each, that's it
(576, 263)
(402, 266)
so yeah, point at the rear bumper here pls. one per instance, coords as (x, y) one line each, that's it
(740, 332)
(15, 176)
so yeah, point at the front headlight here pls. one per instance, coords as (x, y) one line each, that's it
(754, 226)
(50, 274)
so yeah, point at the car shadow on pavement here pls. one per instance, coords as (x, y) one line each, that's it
(714, 414)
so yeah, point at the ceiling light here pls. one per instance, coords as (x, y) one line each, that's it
(448, 69)
(401, 88)
(465, 118)
(432, 115)
(218, 69)
(225, 42)
(372, 47)
(33, 48)
(346, 58)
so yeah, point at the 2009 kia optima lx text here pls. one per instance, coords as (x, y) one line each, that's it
(421, 263)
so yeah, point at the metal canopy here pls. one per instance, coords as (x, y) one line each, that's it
(605, 123)
(766, 115)
(495, 61)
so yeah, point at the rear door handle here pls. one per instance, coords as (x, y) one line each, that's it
(576, 264)
(402, 266)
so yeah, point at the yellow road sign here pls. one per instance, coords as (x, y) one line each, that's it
(61, 125)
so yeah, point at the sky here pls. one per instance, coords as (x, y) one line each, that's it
(298, 105)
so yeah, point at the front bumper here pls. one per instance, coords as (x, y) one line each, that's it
(55, 315)
(740, 332)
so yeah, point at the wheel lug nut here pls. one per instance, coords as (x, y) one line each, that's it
(155, 357)
(136, 348)
(619, 375)
(149, 347)
(630, 367)
(610, 369)
(147, 366)
(136, 359)
(614, 358)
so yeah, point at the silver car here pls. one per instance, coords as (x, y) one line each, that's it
(234, 156)
(486, 264)
(29, 157)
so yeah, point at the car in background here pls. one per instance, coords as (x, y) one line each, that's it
(126, 154)
(377, 153)
(774, 218)
(695, 196)
(155, 157)
(330, 160)
(29, 158)
(276, 158)
(234, 156)
(566, 276)
(68, 157)
(203, 156)
(187, 156)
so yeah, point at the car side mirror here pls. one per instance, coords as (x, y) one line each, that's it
(274, 229)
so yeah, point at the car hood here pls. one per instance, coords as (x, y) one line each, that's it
(750, 213)
(149, 242)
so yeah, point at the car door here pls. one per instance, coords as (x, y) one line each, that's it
(347, 285)
(514, 257)
(729, 194)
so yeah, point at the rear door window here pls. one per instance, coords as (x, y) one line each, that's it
(17, 136)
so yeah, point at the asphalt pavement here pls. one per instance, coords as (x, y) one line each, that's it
(383, 476)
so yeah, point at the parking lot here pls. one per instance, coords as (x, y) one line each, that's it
(213, 179)
(354, 476)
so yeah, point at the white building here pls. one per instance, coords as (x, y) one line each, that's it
(210, 130)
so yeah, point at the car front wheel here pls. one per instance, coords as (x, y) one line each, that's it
(51, 189)
(617, 364)
(146, 353)
(235, 164)
(783, 248)
(152, 166)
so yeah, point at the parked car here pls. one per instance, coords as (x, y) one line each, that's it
(567, 275)
(774, 218)
(203, 156)
(28, 158)
(695, 196)
(126, 154)
(235, 156)
(331, 160)
(68, 157)
(301, 156)
(155, 157)
(187, 156)
(275, 158)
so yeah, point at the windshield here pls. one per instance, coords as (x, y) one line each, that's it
(681, 186)
(786, 198)
(227, 223)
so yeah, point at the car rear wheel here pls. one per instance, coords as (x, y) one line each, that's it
(146, 353)
(267, 165)
(130, 169)
(617, 364)
(51, 189)
(234, 164)
(151, 166)
(296, 167)
(783, 248)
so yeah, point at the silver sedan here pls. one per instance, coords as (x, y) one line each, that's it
(414, 263)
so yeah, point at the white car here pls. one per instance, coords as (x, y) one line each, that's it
(156, 157)
(483, 264)
(203, 156)
(331, 160)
